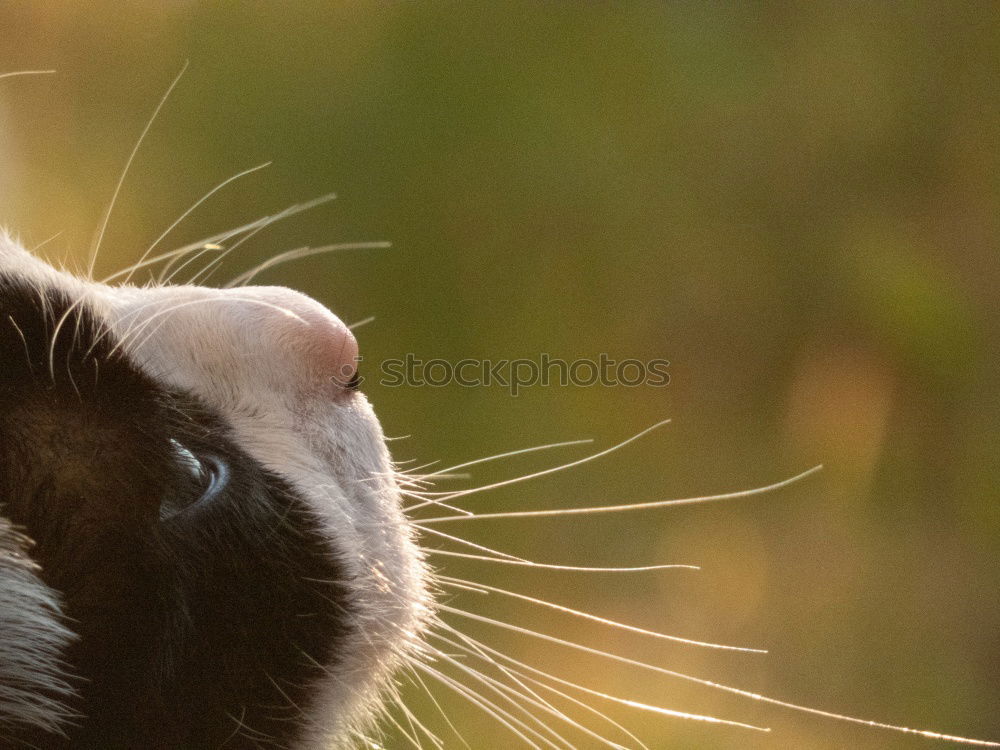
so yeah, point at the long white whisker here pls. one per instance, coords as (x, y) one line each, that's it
(363, 322)
(507, 693)
(412, 484)
(448, 472)
(409, 473)
(16, 73)
(24, 343)
(299, 253)
(402, 730)
(187, 213)
(553, 566)
(417, 726)
(517, 699)
(417, 495)
(128, 164)
(623, 659)
(475, 648)
(264, 224)
(487, 706)
(450, 469)
(508, 454)
(226, 235)
(473, 545)
(170, 254)
(554, 469)
(699, 717)
(489, 661)
(217, 260)
(45, 242)
(168, 273)
(629, 506)
(471, 647)
(482, 648)
(167, 276)
(719, 686)
(430, 694)
(602, 620)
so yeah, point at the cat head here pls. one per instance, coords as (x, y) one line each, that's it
(209, 497)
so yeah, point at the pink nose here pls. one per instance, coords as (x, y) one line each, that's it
(311, 337)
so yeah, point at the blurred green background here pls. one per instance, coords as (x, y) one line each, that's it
(796, 204)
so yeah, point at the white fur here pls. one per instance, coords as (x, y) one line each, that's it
(31, 641)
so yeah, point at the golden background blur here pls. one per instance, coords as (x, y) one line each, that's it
(797, 206)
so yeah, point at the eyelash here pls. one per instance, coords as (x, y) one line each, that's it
(210, 472)
(355, 382)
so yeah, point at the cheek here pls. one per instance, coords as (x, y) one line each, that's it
(348, 439)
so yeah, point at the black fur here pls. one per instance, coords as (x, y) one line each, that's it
(200, 625)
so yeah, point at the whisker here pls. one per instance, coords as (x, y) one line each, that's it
(402, 730)
(128, 165)
(187, 213)
(412, 484)
(473, 545)
(442, 473)
(430, 694)
(553, 566)
(518, 452)
(521, 698)
(16, 73)
(410, 479)
(415, 725)
(56, 331)
(471, 648)
(511, 695)
(485, 705)
(409, 473)
(719, 686)
(226, 235)
(210, 267)
(217, 260)
(45, 242)
(554, 469)
(299, 253)
(24, 342)
(629, 506)
(483, 648)
(362, 322)
(623, 659)
(601, 620)
(436, 503)
(476, 648)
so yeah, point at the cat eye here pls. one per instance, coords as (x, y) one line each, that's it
(208, 473)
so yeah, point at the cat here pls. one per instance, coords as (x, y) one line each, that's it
(202, 535)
